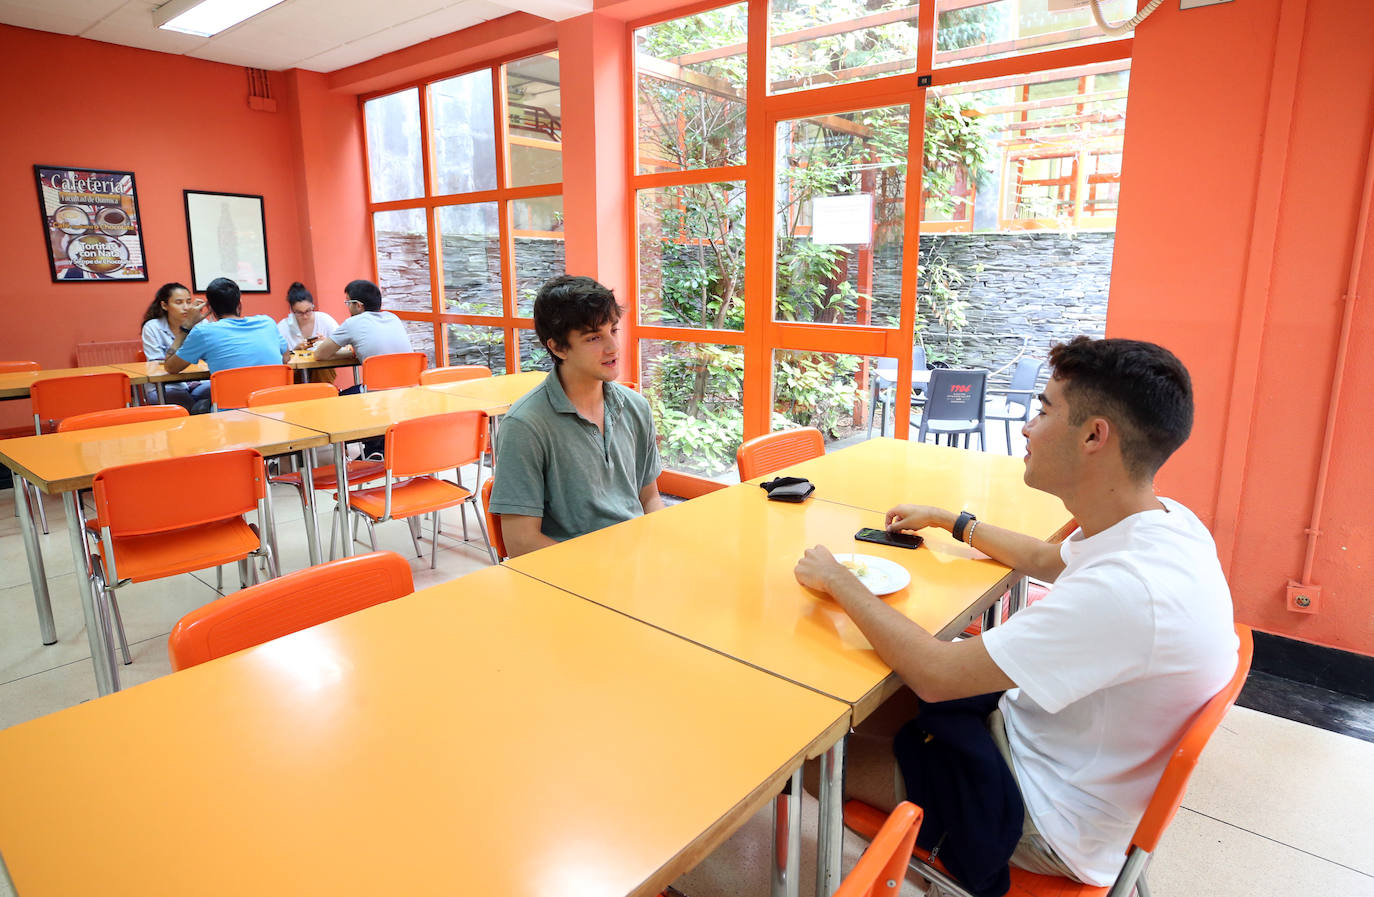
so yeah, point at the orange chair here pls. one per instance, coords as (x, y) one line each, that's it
(17, 367)
(774, 451)
(454, 373)
(393, 371)
(1159, 812)
(177, 515)
(117, 416)
(58, 398)
(288, 604)
(629, 384)
(414, 451)
(498, 541)
(881, 870)
(231, 388)
(294, 392)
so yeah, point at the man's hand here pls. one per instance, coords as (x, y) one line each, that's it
(819, 570)
(910, 518)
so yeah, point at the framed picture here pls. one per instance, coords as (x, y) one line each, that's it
(91, 224)
(227, 233)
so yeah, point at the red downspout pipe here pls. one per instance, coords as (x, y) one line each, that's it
(1351, 300)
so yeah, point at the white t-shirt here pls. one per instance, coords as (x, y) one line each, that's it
(1135, 636)
(373, 333)
(291, 331)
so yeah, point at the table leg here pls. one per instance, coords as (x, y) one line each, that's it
(830, 823)
(161, 392)
(33, 551)
(312, 521)
(341, 477)
(1019, 590)
(786, 869)
(105, 681)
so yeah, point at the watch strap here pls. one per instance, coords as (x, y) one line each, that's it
(961, 524)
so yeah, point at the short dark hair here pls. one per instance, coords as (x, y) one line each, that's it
(366, 292)
(570, 304)
(1140, 387)
(298, 293)
(223, 296)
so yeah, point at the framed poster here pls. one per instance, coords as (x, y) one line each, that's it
(91, 223)
(227, 233)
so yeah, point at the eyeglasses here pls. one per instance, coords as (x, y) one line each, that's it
(301, 314)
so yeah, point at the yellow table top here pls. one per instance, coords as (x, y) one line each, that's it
(718, 570)
(302, 360)
(499, 392)
(359, 416)
(61, 462)
(880, 473)
(15, 385)
(490, 735)
(154, 372)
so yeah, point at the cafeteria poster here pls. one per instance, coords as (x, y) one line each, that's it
(90, 219)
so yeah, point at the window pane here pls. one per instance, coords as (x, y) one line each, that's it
(691, 256)
(464, 133)
(827, 391)
(965, 32)
(470, 344)
(837, 42)
(470, 239)
(840, 196)
(534, 121)
(393, 146)
(421, 338)
(537, 226)
(533, 357)
(694, 391)
(403, 259)
(690, 82)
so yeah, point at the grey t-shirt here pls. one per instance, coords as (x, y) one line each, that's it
(373, 333)
(552, 462)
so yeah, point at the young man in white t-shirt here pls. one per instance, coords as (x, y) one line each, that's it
(1101, 676)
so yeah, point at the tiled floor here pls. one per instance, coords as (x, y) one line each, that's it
(1275, 808)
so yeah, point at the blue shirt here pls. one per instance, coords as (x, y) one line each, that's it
(234, 343)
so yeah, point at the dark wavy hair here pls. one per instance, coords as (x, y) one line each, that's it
(155, 310)
(569, 304)
(1139, 387)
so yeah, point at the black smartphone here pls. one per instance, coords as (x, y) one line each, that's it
(883, 537)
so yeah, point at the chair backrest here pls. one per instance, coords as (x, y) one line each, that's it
(955, 395)
(117, 416)
(498, 541)
(881, 871)
(393, 370)
(452, 373)
(1024, 375)
(439, 442)
(296, 392)
(177, 493)
(15, 367)
(629, 384)
(288, 604)
(774, 451)
(231, 388)
(58, 398)
(109, 352)
(918, 357)
(1174, 782)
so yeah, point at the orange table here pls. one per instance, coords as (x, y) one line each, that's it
(359, 416)
(499, 392)
(153, 371)
(62, 463)
(15, 385)
(491, 735)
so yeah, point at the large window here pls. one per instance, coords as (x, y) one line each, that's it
(465, 181)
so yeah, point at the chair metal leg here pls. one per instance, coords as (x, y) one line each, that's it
(244, 574)
(103, 597)
(219, 579)
(38, 500)
(784, 880)
(486, 537)
(119, 629)
(434, 548)
(371, 530)
(414, 524)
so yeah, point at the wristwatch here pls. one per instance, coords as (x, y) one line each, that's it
(961, 524)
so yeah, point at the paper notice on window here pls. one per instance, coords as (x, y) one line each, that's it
(842, 219)
(1067, 5)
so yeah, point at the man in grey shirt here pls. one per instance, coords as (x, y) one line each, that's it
(369, 330)
(578, 452)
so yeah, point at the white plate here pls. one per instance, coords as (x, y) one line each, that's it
(883, 577)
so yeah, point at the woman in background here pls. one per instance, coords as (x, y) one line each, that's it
(173, 310)
(304, 326)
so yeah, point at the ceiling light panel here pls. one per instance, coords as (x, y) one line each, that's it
(208, 17)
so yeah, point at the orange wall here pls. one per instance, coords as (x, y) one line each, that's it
(1245, 157)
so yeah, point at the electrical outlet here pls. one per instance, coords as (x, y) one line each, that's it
(1194, 4)
(1304, 599)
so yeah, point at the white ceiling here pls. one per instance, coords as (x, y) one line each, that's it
(318, 35)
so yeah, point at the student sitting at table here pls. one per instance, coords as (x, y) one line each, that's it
(1074, 704)
(578, 452)
(173, 311)
(368, 331)
(229, 341)
(304, 326)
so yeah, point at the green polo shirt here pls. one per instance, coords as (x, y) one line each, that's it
(552, 462)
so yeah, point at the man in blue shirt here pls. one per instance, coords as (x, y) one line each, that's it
(230, 341)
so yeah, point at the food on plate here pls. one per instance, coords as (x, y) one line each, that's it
(858, 567)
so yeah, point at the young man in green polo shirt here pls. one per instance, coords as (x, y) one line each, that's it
(578, 452)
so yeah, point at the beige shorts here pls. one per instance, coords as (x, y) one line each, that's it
(1033, 853)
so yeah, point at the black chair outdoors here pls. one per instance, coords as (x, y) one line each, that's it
(885, 386)
(1014, 403)
(954, 406)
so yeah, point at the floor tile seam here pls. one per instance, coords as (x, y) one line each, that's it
(160, 637)
(1280, 843)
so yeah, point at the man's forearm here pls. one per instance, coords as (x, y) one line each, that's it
(523, 543)
(1036, 557)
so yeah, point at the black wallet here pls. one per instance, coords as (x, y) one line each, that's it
(793, 489)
